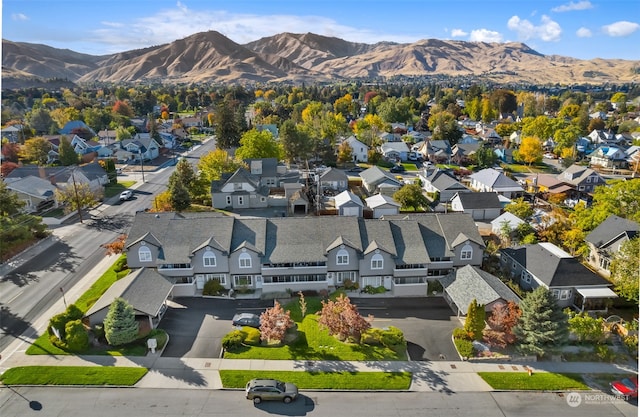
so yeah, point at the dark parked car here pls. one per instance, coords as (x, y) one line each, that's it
(356, 169)
(397, 169)
(628, 387)
(246, 319)
(270, 389)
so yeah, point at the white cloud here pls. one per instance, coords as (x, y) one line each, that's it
(485, 35)
(112, 24)
(583, 33)
(571, 6)
(548, 30)
(19, 16)
(458, 33)
(622, 28)
(179, 22)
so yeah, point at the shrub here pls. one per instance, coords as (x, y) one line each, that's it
(350, 285)
(77, 339)
(212, 287)
(252, 336)
(465, 347)
(388, 337)
(460, 333)
(370, 289)
(604, 353)
(233, 340)
(631, 343)
(121, 264)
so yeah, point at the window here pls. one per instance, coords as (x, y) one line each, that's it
(144, 254)
(466, 253)
(341, 276)
(377, 262)
(244, 260)
(221, 278)
(373, 281)
(342, 257)
(242, 280)
(526, 277)
(241, 200)
(209, 259)
(588, 179)
(228, 200)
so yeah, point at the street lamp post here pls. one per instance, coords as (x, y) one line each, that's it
(63, 298)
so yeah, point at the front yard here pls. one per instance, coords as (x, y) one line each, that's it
(310, 342)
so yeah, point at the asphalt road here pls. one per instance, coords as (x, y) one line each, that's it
(123, 402)
(31, 289)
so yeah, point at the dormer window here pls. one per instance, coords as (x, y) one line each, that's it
(209, 259)
(144, 254)
(342, 257)
(244, 261)
(377, 261)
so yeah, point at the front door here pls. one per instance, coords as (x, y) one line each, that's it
(200, 281)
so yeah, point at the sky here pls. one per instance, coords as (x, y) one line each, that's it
(584, 29)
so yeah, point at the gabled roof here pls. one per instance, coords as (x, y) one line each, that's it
(347, 197)
(612, 228)
(145, 289)
(33, 186)
(495, 180)
(263, 167)
(512, 220)
(442, 181)
(375, 176)
(465, 284)
(554, 267)
(576, 174)
(381, 200)
(331, 174)
(477, 200)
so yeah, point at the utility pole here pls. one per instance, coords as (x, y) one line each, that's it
(141, 163)
(75, 190)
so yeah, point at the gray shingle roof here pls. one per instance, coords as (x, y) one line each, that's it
(612, 228)
(484, 200)
(442, 181)
(469, 282)
(554, 267)
(495, 179)
(145, 289)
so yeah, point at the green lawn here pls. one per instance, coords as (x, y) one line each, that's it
(314, 343)
(73, 375)
(43, 346)
(543, 381)
(323, 380)
(115, 189)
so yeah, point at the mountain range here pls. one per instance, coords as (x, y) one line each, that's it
(210, 57)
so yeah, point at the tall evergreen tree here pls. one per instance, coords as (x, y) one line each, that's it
(68, 155)
(227, 130)
(543, 326)
(180, 198)
(120, 325)
(475, 322)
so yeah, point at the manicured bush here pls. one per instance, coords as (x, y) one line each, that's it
(77, 339)
(370, 289)
(350, 285)
(252, 336)
(212, 287)
(460, 333)
(465, 347)
(388, 337)
(233, 340)
(121, 264)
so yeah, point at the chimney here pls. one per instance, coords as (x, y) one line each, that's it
(52, 179)
(42, 173)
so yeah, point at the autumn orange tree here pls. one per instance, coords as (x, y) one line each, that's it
(341, 319)
(115, 247)
(274, 323)
(501, 322)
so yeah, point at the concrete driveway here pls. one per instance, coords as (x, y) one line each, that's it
(196, 326)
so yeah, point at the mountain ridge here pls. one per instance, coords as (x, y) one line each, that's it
(211, 57)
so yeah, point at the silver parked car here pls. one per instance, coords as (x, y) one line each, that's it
(259, 390)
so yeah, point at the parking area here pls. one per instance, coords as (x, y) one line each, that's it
(196, 326)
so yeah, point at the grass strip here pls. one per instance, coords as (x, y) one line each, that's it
(73, 375)
(538, 381)
(344, 380)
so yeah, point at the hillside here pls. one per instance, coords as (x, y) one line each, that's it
(296, 58)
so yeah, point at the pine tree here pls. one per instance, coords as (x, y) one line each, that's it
(543, 326)
(68, 155)
(474, 323)
(120, 326)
